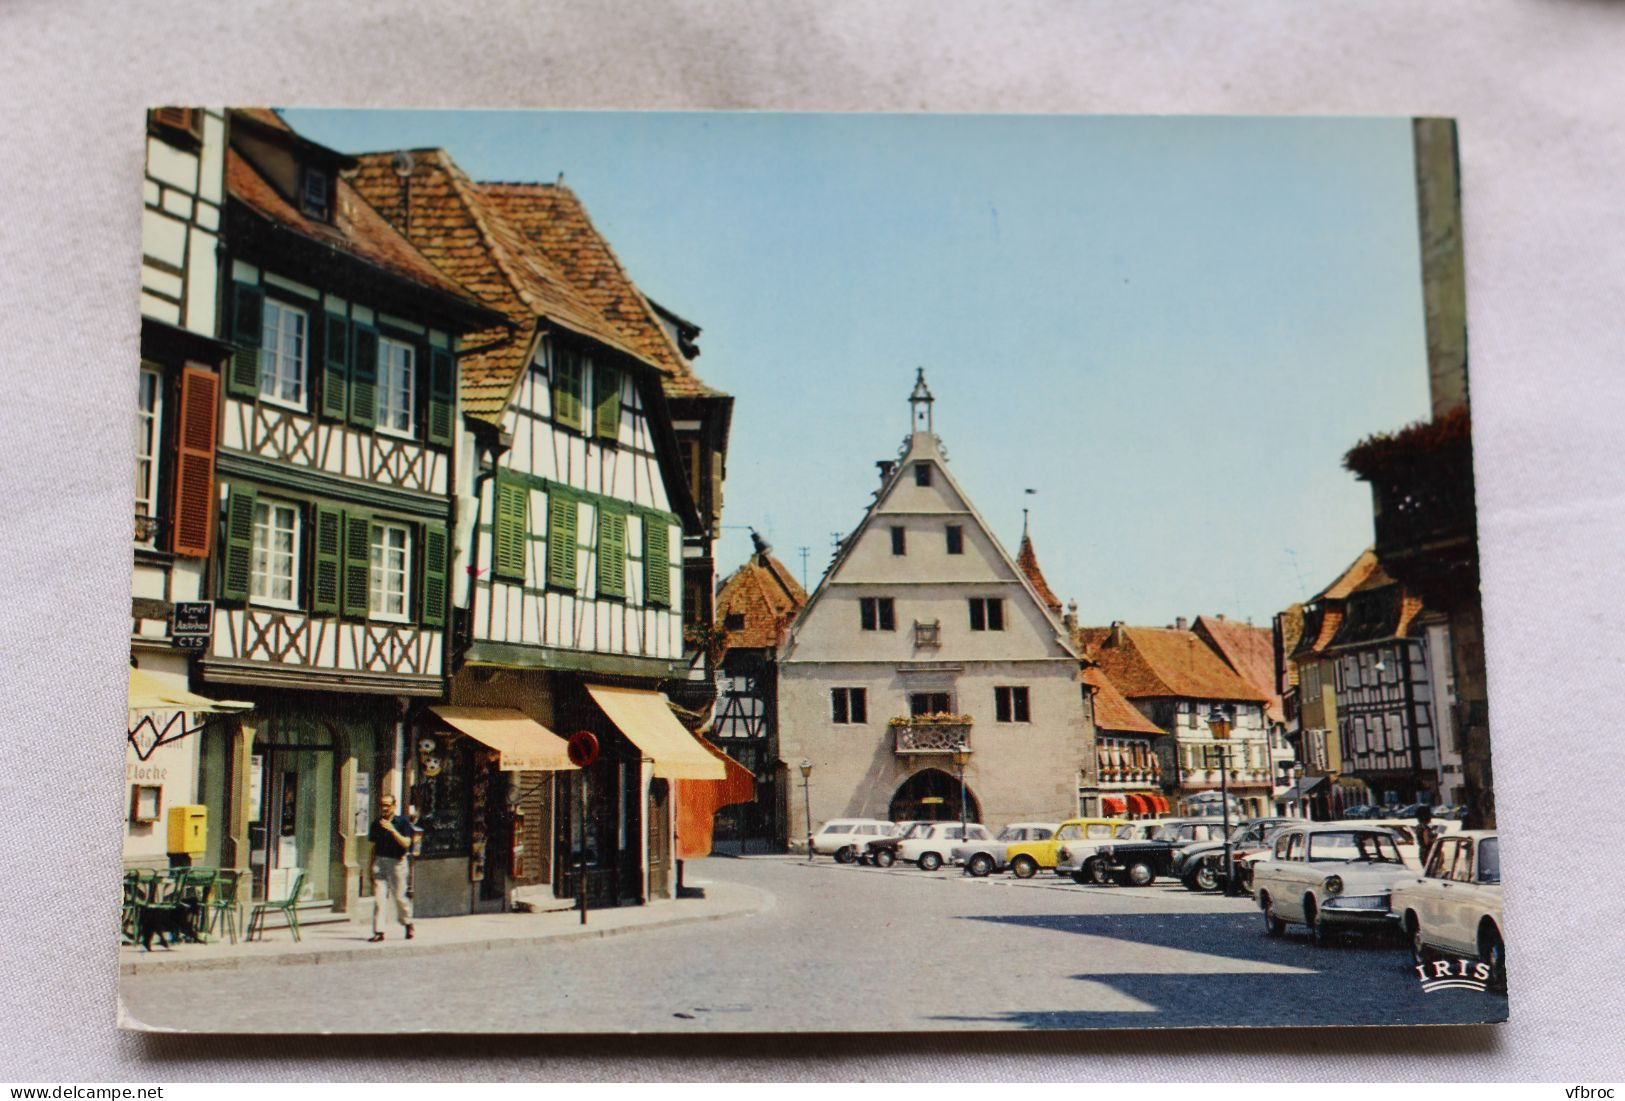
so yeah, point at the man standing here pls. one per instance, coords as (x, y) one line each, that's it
(391, 837)
(1426, 833)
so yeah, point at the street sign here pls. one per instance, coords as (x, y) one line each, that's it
(582, 748)
(190, 624)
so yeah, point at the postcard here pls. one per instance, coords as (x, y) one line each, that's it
(735, 572)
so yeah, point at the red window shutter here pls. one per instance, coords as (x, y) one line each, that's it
(194, 478)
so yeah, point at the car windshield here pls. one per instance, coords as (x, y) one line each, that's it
(1489, 860)
(1374, 848)
(836, 827)
(918, 829)
(1128, 830)
(1070, 833)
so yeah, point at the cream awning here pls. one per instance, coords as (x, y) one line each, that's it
(646, 719)
(150, 693)
(524, 744)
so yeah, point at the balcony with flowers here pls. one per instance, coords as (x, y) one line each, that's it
(936, 732)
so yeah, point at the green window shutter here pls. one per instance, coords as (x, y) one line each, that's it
(561, 538)
(329, 557)
(566, 388)
(611, 552)
(606, 387)
(335, 364)
(510, 533)
(364, 376)
(656, 560)
(442, 396)
(238, 555)
(357, 564)
(432, 605)
(247, 332)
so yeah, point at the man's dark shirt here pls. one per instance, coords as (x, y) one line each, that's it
(383, 843)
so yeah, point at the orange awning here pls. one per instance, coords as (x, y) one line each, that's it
(1111, 804)
(697, 803)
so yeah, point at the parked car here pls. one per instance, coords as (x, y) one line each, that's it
(1331, 877)
(981, 858)
(844, 838)
(1360, 811)
(1138, 862)
(1027, 857)
(1200, 866)
(1454, 907)
(882, 851)
(1404, 830)
(928, 845)
(1079, 843)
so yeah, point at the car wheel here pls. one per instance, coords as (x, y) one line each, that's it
(1138, 874)
(980, 865)
(930, 862)
(846, 855)
(1273, 925)
(1201, 878)
(1098, 873)
(885, 858)
(1493, 952)
(1319, 933)
(1420, 952)
(1024, 867)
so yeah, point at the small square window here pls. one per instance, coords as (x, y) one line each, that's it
(1011, 704)
(899, 541)
(733, 622)
(956, 539)
(849, 706)
(315, 196)
(922, 474)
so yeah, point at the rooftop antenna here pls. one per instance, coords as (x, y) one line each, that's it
(803, 552)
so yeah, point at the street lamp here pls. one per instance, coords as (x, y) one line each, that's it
(806, 802)
(962, 758)
(1218, 723)
(1297, 785)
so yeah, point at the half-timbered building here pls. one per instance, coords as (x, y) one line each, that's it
(754, 609)
(336, 469)
(574, 510)
(925, 665)
(177, 413)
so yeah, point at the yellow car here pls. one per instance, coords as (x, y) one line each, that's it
(1026, 857)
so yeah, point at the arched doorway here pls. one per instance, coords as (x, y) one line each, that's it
(933, 795)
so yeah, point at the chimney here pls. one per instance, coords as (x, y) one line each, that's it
(1070, 620)
(886, 466)
(1181, 624)
(1221, 617)
(1117, 632)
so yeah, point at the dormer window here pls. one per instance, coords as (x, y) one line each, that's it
(315, 193)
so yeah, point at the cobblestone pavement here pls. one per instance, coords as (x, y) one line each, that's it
(844, 949)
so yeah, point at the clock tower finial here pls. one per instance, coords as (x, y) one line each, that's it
(919, 403)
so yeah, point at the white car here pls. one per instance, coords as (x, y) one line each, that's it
(1330, 877)
(1404, 830)
(1081, 841)
(844, 838)
(928, 843)
(1454, 908)
(981, 858)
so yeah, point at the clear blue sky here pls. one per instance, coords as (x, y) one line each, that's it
(1171, 328)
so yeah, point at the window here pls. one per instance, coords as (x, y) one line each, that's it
(146, 449)
(391, 566)
(272, 569)
(849, 705)
(397, 373)
(1396, 731)
(733, 621)
(569, 378)
(987, 613)
(315, 196)
(956, 539)
(929, 703)
(922, 474)
(875, 613)
(1010, 704)
(899, 543)
(282, 355)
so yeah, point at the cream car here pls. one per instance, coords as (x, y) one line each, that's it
(1454, 907)
(1329, 877)
(844, 838)
(928, 845)
(1404, 830)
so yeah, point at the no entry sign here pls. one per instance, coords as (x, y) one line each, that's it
(582, 748)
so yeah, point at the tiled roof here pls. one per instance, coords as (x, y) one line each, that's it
(356, 229)
(1250, 651)
(1379, 610)
(1028, 561)
(1113, 712)
(1325, 613)
(553, 218)
(765, 596)
(1291, 621)
(1163, 663)
(465, 233)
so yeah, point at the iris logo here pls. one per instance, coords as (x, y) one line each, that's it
(1453, 975)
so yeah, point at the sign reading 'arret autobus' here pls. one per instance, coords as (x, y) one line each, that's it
(191, 623)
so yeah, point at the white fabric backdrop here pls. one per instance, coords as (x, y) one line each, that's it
(1537, 87)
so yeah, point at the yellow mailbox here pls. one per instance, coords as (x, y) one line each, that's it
(188, 829)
